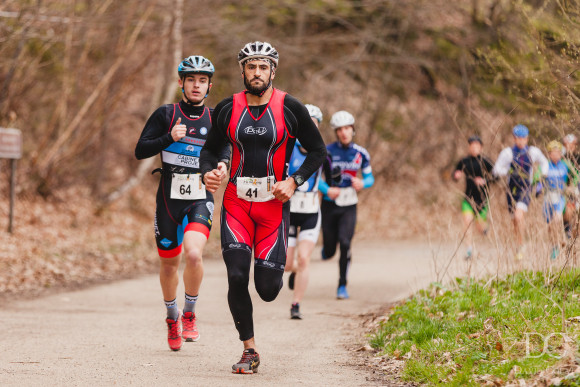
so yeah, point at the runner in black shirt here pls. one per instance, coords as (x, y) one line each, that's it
(477, 171)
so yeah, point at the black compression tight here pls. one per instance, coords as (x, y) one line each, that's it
(268, 283)
(338, 225)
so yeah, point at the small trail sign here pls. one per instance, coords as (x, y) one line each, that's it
(10, 143)
(11, 148)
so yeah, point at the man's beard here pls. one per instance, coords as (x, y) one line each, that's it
(255, 90)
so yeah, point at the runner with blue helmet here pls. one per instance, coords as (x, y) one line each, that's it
(184, 212)
(518, 163)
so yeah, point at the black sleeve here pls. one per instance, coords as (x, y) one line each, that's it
(225, 153)
(156, 135)
(459, 167)
(487, 168)
(216, 147)
(300, 125)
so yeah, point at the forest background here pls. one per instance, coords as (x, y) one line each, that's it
(80, 78)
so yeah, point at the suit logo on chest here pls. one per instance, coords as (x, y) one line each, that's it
(251, 130)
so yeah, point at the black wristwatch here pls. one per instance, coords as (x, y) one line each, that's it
(299, 180)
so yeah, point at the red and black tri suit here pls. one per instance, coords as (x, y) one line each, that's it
(262, 139)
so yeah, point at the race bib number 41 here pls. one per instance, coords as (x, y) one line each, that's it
(187, 187)
(255, 189)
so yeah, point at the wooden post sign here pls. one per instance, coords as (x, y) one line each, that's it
(11, 148)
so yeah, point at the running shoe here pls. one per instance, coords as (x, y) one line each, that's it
(174, 334)
(554, 253)
(190, 332)
(295, 312)
(248, 364)
(291, 280)
(469, 253)
(341, 293)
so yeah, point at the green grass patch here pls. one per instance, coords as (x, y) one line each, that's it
(471, 332)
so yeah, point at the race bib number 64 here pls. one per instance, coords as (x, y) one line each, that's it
(255, 189)
(187, 187)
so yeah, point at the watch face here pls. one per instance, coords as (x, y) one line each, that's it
(299, 179)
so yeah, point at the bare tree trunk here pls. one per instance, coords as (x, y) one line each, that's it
(146, 165)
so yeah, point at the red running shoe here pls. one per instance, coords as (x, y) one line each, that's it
(174, 334)
(190, 332)
(248, 364)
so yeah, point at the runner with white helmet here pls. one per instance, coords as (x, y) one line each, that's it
(261, 123)
(340, 190)
(304, 222)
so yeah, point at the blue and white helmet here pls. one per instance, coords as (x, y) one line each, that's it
(340, 119)
(195, 64)
(314, 112)
(520, 131)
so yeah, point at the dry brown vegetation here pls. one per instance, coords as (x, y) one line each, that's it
(80, 78)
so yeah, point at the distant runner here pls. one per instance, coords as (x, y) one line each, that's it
(304, 222)
(518, 163)
(572, 160)
(555, 183)
(340, 190)
(475, 204)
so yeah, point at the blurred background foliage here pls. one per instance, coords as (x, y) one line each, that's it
(80, 77)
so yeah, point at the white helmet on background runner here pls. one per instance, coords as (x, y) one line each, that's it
(258, 50)
(314, 112)
(340, 119)
(570, 138)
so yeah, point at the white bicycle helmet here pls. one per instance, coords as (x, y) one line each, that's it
(314, 112)
(340, 119)
(570, 138)
(258, 50)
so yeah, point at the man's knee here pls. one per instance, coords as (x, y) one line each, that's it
(169, 266)
(344, 244)
(268, 282)
(238, 266)
(192, 257)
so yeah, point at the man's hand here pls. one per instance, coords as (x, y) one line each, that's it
(223, 170)
(457, 174)
(283, 190)
(479, 181)
(357, 184)
(333, 192)
(214, 178)
(178, 131)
